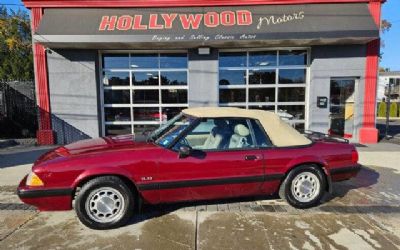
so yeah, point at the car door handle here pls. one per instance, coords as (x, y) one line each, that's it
(250, 157)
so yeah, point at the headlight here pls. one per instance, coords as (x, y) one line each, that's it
(33, 180)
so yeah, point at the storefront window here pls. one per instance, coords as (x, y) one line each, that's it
(116, 96)
(232, 77)
(173, 78)
(142, 91)
(148, 78)
(232, 59)
(273, 80)
(116, 61)
(116, 78)
(144, 61)
(292, 57)
(292, 76)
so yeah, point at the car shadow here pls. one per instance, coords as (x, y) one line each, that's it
(12, 158)
(365, 178)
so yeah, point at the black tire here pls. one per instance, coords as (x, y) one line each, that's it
(286, 190)
(125, 197)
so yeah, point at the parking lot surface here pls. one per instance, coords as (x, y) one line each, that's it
(362, 213)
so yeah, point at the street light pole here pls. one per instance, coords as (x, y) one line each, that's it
(388, 109)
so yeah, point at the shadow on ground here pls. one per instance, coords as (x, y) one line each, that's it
(15, 158)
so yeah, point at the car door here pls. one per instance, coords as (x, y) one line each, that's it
(224, 162)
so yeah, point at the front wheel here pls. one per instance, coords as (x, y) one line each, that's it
(105, 202)
(304, 186)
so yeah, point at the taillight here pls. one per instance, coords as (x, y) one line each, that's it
(354, 156)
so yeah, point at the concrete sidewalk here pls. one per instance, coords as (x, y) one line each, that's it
(363, 213)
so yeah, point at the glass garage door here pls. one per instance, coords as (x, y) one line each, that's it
(142, 90)
(273, 80)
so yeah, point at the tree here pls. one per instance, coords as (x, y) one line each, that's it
(393, 109)
(382, 109)
(16, 57)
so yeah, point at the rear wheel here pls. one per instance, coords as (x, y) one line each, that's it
(105, 202)
(304, 186)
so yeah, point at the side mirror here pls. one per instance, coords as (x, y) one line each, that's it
(184, 151)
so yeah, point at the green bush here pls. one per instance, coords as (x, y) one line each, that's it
(382, 109)
(393, 109)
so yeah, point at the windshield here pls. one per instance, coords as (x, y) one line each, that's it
(164, 135)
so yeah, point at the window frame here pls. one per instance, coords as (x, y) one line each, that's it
(197, 121)
(131, 87)
(276, 86)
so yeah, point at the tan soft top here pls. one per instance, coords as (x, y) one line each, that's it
(280, 133)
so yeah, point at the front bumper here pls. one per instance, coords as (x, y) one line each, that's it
(45, 199)
(344, 173)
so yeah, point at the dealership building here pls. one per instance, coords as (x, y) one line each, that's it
(116, 67)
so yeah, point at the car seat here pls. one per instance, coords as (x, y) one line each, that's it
(239, 137)
(218, 135)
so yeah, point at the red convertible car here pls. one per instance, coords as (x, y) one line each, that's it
(201, 154)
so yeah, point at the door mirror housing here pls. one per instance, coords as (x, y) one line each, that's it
(184, 151)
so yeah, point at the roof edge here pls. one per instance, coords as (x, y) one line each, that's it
(171, 3)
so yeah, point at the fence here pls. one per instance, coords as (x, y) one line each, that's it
(18, 109)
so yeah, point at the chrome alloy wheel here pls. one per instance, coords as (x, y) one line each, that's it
(305, 187)
(105, 205)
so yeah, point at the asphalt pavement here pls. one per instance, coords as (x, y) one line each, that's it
(362, 213)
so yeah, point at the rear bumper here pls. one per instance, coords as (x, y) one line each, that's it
(344, 173)
(45, 199)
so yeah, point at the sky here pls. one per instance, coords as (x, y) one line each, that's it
(390, 52)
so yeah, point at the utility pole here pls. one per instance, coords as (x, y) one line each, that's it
(388, 108)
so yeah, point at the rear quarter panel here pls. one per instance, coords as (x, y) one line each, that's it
(326, 154)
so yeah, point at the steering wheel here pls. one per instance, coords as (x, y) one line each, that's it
(185, 142)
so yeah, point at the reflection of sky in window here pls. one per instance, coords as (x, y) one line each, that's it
(116, 61)
(232, 77)
(292, 57)
(263, 59)
(144, 60)
(232, 59)
(145, 78)
(173, 78)
(173, 61)
(292, 75)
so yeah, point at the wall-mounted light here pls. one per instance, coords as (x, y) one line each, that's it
(204, 51)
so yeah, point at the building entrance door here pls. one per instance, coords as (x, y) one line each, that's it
(342, 107)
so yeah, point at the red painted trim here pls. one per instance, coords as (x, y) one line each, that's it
(171, 3)
(44, 134)
(368, 133)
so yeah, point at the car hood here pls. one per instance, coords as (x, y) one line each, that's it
(98, 145)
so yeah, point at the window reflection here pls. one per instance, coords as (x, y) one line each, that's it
(291, 94)
(118, 129)
(116, 96)
(263, 107)
(293, 112)
(292, 76)
(232, 77)
(145, 96)
(232, 95)
(292, 57)
(174, 96)
(146, 114)
(232, 59)
(144, 61)
(116, 79)
(149, 78)
(117, 114)
(117, 61)
(173, 60)
(174, 78)
(262, 76)
(262, 58)
(262, 95)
